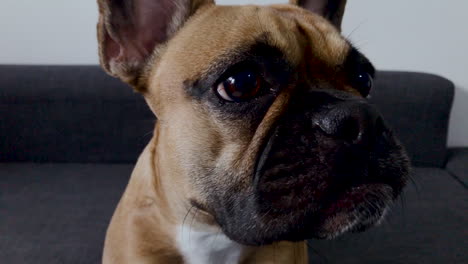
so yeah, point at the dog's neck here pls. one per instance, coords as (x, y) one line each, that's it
(197, 242)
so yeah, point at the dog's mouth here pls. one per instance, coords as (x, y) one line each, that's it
(356, 209)
(327, 191)
(326, 210)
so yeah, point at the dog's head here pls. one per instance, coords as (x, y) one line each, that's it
(262, 115)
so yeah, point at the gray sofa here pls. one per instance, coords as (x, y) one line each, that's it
(69, 136)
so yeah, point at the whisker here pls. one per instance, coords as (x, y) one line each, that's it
(147, 134)
(191, 224)
(185, 218)
(354, 30)
(402, 200)
(415, 184)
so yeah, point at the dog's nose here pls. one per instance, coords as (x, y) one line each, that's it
(355, 122)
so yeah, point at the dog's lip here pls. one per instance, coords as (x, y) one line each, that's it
(356, 209)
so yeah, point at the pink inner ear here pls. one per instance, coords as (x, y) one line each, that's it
(135, 27)
(152, 22)
(112, 50)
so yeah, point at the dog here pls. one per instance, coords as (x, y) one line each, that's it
(264, 137)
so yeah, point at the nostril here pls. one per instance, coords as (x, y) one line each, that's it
(370, 128)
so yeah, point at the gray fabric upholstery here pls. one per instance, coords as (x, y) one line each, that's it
(58, 213)
(70, 114)
(457, 164)
(428, 225)
(417, 106)
(79, 114)
(54, 213)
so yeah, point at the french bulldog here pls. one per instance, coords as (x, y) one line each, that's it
(264, 137)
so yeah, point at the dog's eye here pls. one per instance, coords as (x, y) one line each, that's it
(363, 81)
(241, 86)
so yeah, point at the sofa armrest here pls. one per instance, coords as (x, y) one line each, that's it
(457, 164)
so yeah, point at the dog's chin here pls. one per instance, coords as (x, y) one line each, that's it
(356, 210)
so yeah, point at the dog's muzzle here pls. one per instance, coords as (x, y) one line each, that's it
(330, 165)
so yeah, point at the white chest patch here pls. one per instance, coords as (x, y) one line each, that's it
(206, 247)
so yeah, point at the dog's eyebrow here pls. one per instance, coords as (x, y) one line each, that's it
(260, 53)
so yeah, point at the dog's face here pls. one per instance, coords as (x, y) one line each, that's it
(262, 112)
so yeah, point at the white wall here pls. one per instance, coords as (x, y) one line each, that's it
(418, 35)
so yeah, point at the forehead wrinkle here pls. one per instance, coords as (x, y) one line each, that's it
(280, 32)
(318, 36)
(321, 37)
(325, 42)
(211, 36)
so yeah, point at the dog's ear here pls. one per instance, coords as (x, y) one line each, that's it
(130, 30)
(333, 10)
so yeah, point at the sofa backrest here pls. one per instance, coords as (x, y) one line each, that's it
(79, 114)
(70, 114)
(417, 106)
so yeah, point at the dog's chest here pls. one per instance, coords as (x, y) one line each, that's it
(205, 247)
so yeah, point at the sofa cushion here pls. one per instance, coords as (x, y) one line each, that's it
(417, 106)
(428, 225)
(457, 164)
(57, 213)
